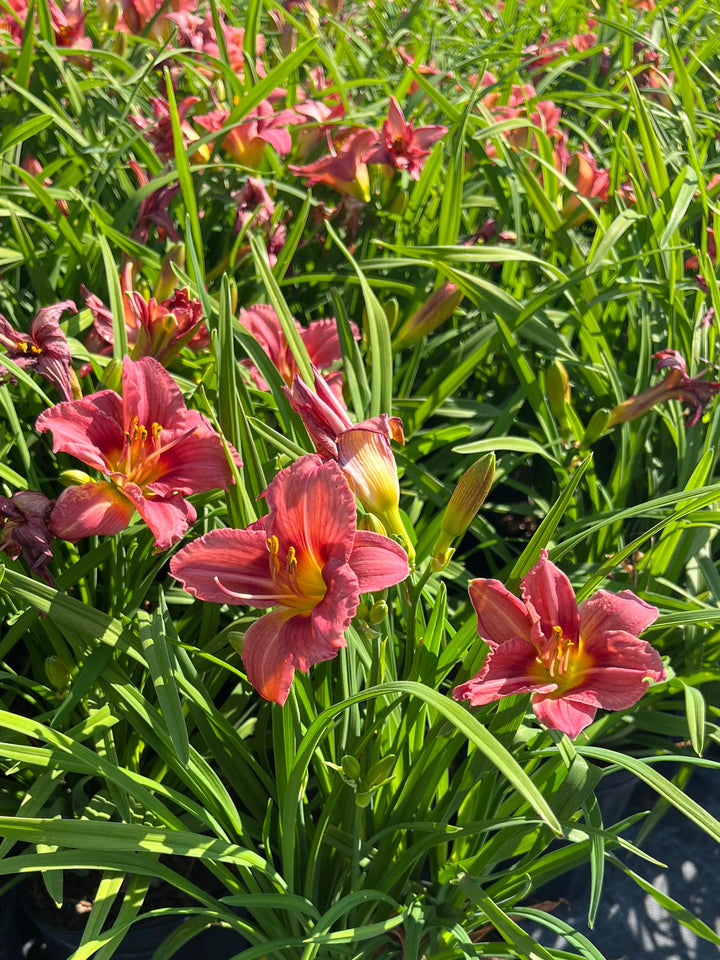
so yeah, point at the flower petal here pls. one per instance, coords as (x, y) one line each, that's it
(227, 566)
(562, 714)
(501, 615)
(319, 636)
(512, 667)
(377, 561)
(550, 593)
(169, 517)
(89, 429)
(312, 510)
(606, 611)
(92, 509)
(619, 670)
(193, 465)
(267, 663)
(151, 395)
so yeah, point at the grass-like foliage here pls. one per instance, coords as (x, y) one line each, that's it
(247, 250)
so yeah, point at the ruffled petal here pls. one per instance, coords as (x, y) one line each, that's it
(169, 518)
(317, 637)
(620, 666)
(92, 509)
(193, 465)
(606, 611)
(568, 716)
(377, 561)
(89, 429)
(552, 596)
(267, 663)
(312, 510)
(322, 342)
(151, 395)
(512, 667)
(227, 566)
(501, 615)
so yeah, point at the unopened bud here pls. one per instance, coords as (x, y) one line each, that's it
(363, 798)
(558, 390)
(58, 674)
(467, 498)
(378, 612)
(167, 281)
(368, 521)
(380, 771)
(350, 767)
(438, 308)
(75, 478)
(363, 612)
(598, 425)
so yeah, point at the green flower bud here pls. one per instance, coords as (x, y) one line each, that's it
(597, 426)
(467, 498)
(75, 478)
(58, 674)
(558, 390)
(438, 308)
(368, 521)
(363, 798)
(378, 612)
(350, 767)
(380, 771)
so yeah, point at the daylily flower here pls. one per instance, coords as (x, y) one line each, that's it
(403, 147)
(591, 182)
(362, 450)
(573, 659)
(44, 349)
(256, 211)
(154, 329)
(153, 450)
(320, 339)
(345, 171)
(694, 392)
(154, 209)
(307, 559)
(24, 519)
(246, 141)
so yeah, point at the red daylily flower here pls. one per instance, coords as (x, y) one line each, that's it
(320, 339)
(307, 558)
(44, 349)
(573, 659)
(693, 392)
(403, 147)
(159, 133)
(362, 450)
(153, 450)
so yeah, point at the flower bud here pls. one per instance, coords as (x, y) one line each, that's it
(438, 308)
(380, 771)
(378, 612)
(467, 498)
(598, 425)
(350, 767)
(368, 521)
(363, 798)
(558, 390)
(58, 674)
(167, 281)
(75, 478)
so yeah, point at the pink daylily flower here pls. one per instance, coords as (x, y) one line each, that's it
(362, 450)
(346, 170)
(44, 349)
(158, 132)
(246, 141)
(307, 559)
(403, 147)
(320, 339)
(573, 659)
(152, 449)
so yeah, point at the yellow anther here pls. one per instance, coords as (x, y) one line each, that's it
(274, 549)
(292, 559)
(156, 430)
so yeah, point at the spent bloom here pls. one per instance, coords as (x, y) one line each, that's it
(573, 659)
(24, 519)
(320, 339)
(694, 392)
(362, 450)
(44, 349)
(306, 559)
(401, 145)
(153, 451)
